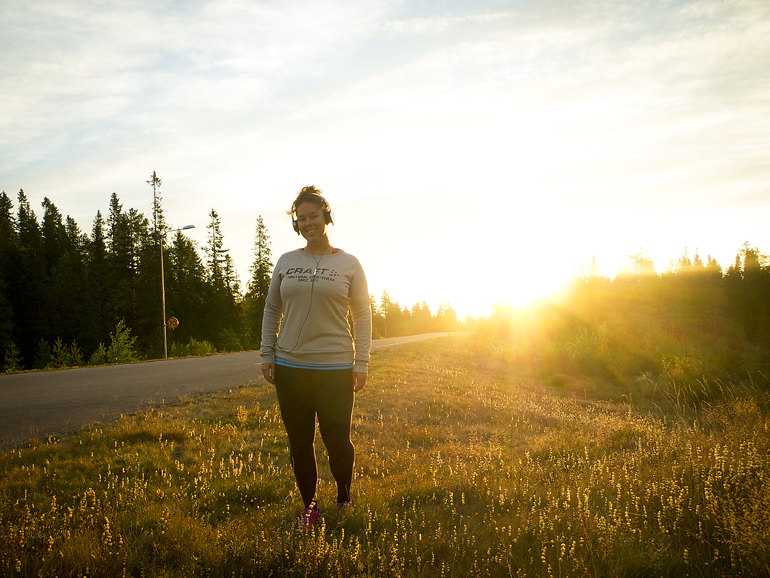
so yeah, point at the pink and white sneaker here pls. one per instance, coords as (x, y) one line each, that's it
(310, 515)
(343, 508)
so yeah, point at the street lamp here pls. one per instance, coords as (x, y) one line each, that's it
(163, 284)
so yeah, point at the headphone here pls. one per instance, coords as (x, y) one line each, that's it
(327, 213)
(303, 197)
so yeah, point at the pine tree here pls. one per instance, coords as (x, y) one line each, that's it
(186, 290)
(394, 325)
(378, 319)
(97, 276)
(158, 221)
(215, 253)
(12, 360)
(384, 309)
(119, 264)
(261, 271)
(121, 349)
(146, 321)
(222, 319)
(9, 240)
(76, 295)
(420, 318)
(230, 276)
(54, 246)
(150, 321)
(9, 260)
(446, 317)
(753, 304)
(54, 235)
(28, 292)
(28, 228)
(6, 319)
(127, 235)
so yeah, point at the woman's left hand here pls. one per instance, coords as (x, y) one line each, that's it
(359, 380)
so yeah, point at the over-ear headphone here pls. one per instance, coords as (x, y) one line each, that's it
(303, 197)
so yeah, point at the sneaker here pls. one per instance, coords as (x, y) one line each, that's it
(310, 516)
(343, 508)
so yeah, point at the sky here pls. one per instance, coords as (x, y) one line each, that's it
(473, 151)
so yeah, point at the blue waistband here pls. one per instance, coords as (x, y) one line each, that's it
(285, 363)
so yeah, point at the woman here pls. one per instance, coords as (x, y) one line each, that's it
(314, 362)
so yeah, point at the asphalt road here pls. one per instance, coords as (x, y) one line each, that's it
(41, 403)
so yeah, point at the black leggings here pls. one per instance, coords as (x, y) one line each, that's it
(303, 394)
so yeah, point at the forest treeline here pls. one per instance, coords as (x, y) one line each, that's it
(692, 327)
(71, 298)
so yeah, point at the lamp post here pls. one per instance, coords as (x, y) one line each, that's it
(163, 284)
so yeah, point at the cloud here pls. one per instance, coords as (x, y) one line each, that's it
(80, 67)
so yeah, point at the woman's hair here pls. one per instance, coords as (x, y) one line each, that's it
(310, 194)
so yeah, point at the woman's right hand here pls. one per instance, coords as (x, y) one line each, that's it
(268, 371)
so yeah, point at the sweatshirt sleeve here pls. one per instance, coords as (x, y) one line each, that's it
(361, 312)
(271, 317)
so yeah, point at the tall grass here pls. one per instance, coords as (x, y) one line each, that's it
(467, 465)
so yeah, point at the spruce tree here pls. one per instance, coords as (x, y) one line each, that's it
(222, 308)
(215, 252)
(54, 246)
(9, 240)
(6, 320)
(394, 325)
(127, 234)
(12, 359)
(446, 317)
(378, 320)
(76, 295)
(29, 286)
(150, 321)
(9, 259)
(158, 221)
(753, 303)
(97, 276)
(54, 235)
(186, 290)
(119, 264)
(146, 320)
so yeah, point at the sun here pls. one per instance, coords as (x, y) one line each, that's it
(476, 295)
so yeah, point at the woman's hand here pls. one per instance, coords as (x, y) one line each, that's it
(359, 380)
(268, 371)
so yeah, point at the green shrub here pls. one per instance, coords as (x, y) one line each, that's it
(121, 349)
(60, 355)
(12, 359)
(63, 356)
(43, 355)
(228, 341)
(194, 348)
(99, 356)
(76, 356)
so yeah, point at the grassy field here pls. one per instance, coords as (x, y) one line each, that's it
(468, 464)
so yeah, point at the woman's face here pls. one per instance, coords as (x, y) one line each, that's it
(310, 219)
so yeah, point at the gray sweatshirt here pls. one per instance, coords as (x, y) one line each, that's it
(309, 299)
